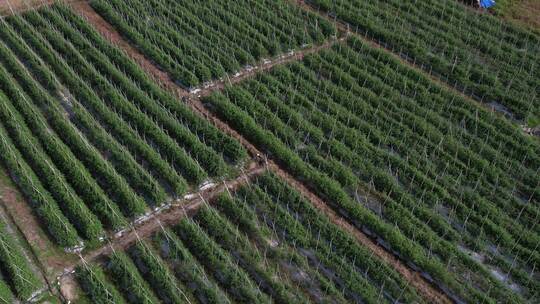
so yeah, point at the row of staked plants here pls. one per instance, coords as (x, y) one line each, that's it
(198, 41)
(436, 178)
(90, 140)
(493, 61)
(17, 279)
(264, 244)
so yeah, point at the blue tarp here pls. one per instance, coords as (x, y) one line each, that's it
(487, 3)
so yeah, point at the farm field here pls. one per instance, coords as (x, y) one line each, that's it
(486, 58)
(261, 151)
(16, 276)
(92, 139)
(263, 244)
(442, 181)
(181, 36)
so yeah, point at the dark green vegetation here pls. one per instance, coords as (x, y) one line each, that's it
(197, 41)
(265, 244)
(495, 62)
(449, 187)
(436, 176)
(16, 277)
(89, 139)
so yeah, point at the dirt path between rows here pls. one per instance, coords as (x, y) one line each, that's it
(425, 289)
(265, 65)
(170, 217)
(41, 250)
(106, 30)
(9, 7)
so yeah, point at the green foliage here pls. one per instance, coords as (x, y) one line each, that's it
(96, 286)
(45, 207)
(436, 36)
(6, 297)
(126, 276)
(217, 262)
(206, 132)
(353, 121)
(248, 257)
(189, 32)
(188, 270)
(102, 139)
(156, 272)
(15, 266)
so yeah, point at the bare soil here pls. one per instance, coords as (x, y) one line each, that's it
(264, 65)
(9, 7)
(525, 13)
(68, 289)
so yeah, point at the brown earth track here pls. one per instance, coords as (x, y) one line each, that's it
(9, 7)
(172, 215)
(426, 289)
(217, 85)
(168, 218)
(106, 30)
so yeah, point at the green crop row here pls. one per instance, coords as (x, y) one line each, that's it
(493, 62)
(248, 257)
(45, 207)
(188, 270)
(15, 266)
(75, 210)
(182, 36)
(62, 156)
(95, 284)
(279, 250)
(351, 119)
(219, 264)
(206, 132)
(6, 296)
(101, 137)
(126, 276)
(157, 274)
